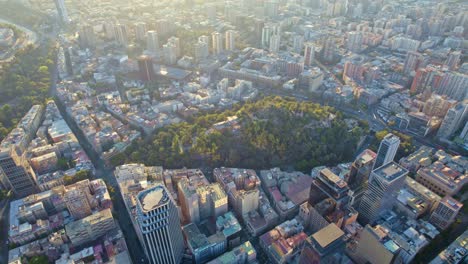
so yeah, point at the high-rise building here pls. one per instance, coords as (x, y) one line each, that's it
(217, 42)
(176, 43)
(145, 68)
(160, 232)
(268, 31)
(453, 60)
(109, 28)
(121, 34)
(382, 190)
(140, 31)
(152, 41)
(275, 42)
(355, 40)
(454, 119)
(309, 53)
(87, 37)
(298, 43)
(68, 61)
(426, 79)
(387, 150)
(438, 105)
(328, 185)
(21, 180)
(231, 40)
(375, 247)
(329, 50)
(170, 53)
(201, 50)
(413, 61)
(271, 8)
(62, 10)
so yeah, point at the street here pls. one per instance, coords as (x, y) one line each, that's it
(4, 227)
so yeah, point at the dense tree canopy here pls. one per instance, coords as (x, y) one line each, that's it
(24, 82)
(273, 131)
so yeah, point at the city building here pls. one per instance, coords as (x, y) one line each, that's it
(286, 190)
(445, 176)
(309, 53)
(382, 190)
(140, 32)
(455, 253)
(242, 254)
(284, 242)
(90, 228)
(455, 118)
(387, 150)
(217, 42)
(323, 246)
(62, 10)
(152, 41)
(159, 227)
(413, 61)
(230, 40)
(445, 212)
(203, 248)
(242, 188)
(145, 68)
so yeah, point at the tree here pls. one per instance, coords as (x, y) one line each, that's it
(41, 259)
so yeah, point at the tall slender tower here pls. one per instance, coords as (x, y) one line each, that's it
(62, 10)
(152, 41)
(159, 224)
(217, 41)
(387, 150)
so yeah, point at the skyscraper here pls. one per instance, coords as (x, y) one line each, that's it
(354, 42)
(453, 60)
(152, 41)
(382, 189)
(170, 55)
(158, 219)
(68, 61)
(230, 40)
(455, 118)
(309, 53)
(329, 50)
(201, 50)
(121, 34)
(387, 150)
(140, 31)
(62, 10)
(87, 37)
(176, 43)
(268, 31)
(145, 67)
(412, 62)
(217, 41)
(275, 42)
(298, 43)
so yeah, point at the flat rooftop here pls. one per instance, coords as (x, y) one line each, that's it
(391, 171)
(328, 235)
(171, 72)
(152, 198)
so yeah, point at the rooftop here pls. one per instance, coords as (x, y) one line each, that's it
(391, 171)
(328, 235)
(152, 198)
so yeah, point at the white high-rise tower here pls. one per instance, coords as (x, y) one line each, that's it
(160, 231)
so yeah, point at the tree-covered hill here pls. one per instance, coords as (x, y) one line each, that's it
(271, 132)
